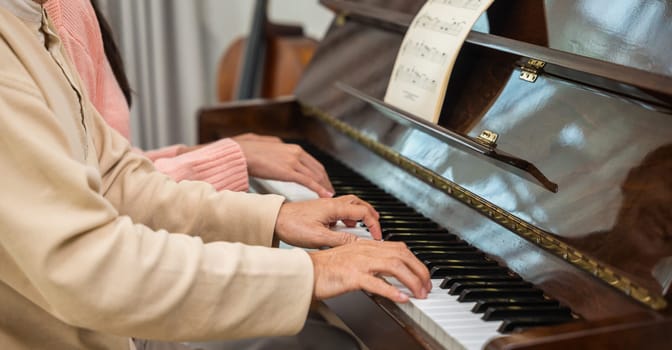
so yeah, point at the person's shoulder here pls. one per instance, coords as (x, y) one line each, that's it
(13, 72)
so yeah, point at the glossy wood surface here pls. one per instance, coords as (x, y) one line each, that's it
(634, 332)
(554, 123)
(633, 33)
(604, 74)
(278, 117)
(609, 152)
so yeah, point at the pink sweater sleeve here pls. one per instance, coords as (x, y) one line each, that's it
(221, 163)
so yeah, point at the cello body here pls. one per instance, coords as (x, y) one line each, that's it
(266, 64)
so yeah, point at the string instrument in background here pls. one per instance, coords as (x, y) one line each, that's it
(266, 64)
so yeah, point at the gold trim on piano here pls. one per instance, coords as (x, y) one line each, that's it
(533, 234)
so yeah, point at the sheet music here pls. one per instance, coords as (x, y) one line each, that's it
(428, 53)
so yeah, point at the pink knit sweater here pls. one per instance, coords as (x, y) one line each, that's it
(220, 163)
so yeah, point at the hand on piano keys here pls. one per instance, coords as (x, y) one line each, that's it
(295, 192)
(308, 224)
(357, 266)
(270, 158)
(471, 299)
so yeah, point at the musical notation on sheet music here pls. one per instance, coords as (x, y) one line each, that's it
(467, 4)
(427, 55)
(451, 27)
(420, 49)
(413, 76)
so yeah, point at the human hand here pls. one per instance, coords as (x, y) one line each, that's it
(306, 224)
(242, 137)
(356, 266)
(187, 149)
(250, 136)
(269, 158)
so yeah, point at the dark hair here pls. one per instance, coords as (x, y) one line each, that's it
(112, 54)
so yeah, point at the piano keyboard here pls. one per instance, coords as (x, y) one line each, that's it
(473, 298)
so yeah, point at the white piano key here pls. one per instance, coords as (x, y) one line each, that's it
(290, 190)
(450, 322)
(296, 193)
(359, 230)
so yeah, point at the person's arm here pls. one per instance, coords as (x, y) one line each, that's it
(163, 152)
(227, 162)
(221, 164)
(269, 158)
(135, 189)
(96, 269)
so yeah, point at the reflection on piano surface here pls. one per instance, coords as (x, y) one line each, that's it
(643, 223)
(515, 264)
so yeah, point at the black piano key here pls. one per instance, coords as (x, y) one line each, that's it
(448, 281)
(435, 261)
(458, 287)
(395, 211)
(413, 235)
(387, 232)
(474, 294)
(346, 182)
(362, 190)
(500, 313)
(417, 244)
(436, 250)
(345, 179)
(381, 199)
(455, 246)
(442, 271)
(426, 254)
(447, 244)
(421, 224)
(353, 186)
(517, 323)
(484, 304)
(419, 237)
(465, 262)
(388, 204)
(401, 216)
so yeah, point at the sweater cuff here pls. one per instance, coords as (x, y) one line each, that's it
(221, 164)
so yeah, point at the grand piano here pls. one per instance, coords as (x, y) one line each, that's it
(542, 200)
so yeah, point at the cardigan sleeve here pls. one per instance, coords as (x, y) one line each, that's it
(90, 241)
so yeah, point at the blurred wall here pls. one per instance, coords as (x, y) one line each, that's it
(172, 47)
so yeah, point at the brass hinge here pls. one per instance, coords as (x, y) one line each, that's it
(341, 19)
(531, 70)
(488, 138)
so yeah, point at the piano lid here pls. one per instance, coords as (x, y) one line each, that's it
(635, 33)
(604, 139)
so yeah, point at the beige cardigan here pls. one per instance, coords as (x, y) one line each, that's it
(89, 250)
